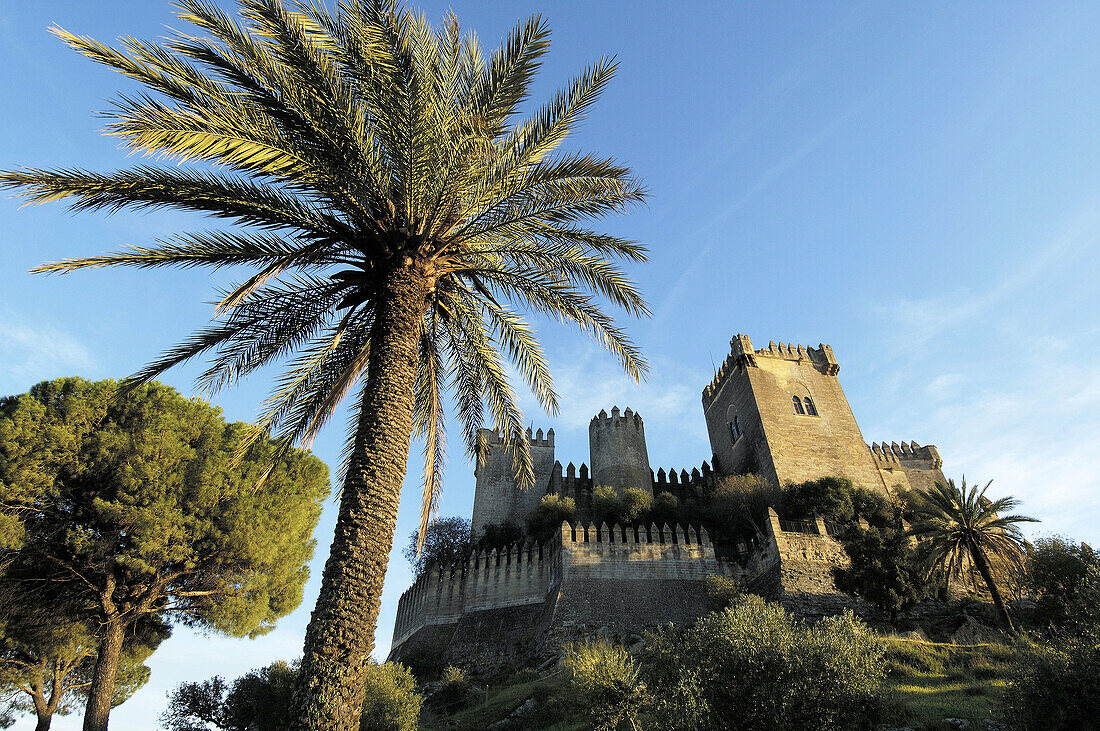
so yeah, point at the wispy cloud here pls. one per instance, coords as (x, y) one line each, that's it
(32, 350)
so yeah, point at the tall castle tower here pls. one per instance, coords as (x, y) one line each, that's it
(616, 446)
(780, 411)
(497, 497)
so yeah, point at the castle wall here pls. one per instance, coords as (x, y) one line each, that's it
(908, 465)
(617, 450)
(516, 576)
(497, 497)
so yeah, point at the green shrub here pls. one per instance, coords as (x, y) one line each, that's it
(606, 681)
(1064, 579)
(752, 666)
(666, 508)
(391, 701)
(1056, 688)
(722, 591)
(548, 516)
(498, 536)
(607, 506)
(455, 691)
(637, 504)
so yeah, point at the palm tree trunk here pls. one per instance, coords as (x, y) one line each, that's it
(982, 564)
(102, 690)
(340, 636)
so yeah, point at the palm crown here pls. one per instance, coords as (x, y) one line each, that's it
(346, 143)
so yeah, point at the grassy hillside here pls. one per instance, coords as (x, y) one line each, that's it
(926, 682)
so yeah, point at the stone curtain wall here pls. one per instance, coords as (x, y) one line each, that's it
(516, 576)
(626, 579)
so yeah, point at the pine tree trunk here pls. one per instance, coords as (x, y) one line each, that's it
(102, 689)
(44, 722)
(987, 576)
(340, 636)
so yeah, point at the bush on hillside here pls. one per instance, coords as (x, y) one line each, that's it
(391, 701)
(455, 691)
(1056, 688)
(606, 681)
(752, 666)
(1064, 579)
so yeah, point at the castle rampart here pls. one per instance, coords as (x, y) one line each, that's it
(777, 411)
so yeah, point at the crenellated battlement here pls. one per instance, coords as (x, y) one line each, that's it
(685, 485)
(742, 355)
(895, 455)
(516, 575)
(628, 418)
(537, 439)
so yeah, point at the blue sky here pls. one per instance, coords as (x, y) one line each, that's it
(917, 184)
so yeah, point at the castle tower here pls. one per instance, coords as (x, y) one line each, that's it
(497, 497)
(780, 411)
(617, 451)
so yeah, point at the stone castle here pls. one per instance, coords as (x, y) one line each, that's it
(778, 411)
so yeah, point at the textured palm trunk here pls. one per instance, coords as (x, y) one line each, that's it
(340, 636)
(987, 576)
(102, 689)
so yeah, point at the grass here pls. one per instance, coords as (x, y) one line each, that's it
(926, 683)
(930, 681)
(554, 712)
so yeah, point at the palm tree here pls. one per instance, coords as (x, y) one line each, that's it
(964, 529)
(398, 216)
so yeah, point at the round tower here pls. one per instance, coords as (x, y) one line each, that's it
(616, 446)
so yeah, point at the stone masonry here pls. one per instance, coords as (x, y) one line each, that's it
(778, 411)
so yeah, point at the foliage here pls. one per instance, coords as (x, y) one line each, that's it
(960, 529)
(147, 518)
(1064, 579)
(258, 701)
(396, 216)
(883, 569)
(499, 535)
(666, 507)
(736, 506)
(637, 504)
(607, 506)
(392, 703)
(722, 591)
(606, 679)
(1056, 688)
(549, 514)
(455, 691)
(446, 541)
(753, 666)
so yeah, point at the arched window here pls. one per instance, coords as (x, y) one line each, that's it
(735, 429)
(798, 405)
(810, 408)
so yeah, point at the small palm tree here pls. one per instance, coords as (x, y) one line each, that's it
(964, 529)
(397, 215)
